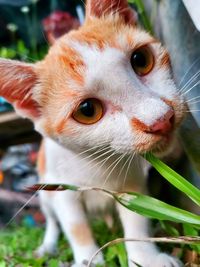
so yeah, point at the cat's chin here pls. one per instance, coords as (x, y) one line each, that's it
(164, 147)
(160, 147)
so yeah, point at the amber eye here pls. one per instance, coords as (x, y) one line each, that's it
(89, 111)
(142, 60)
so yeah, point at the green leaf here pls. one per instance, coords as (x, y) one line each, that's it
(191, 231)
(174, 178)
(53, 263)
(121, 252)
(143, 15)
(153, 208)
(169, 229)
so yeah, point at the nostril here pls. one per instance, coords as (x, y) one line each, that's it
(164, 125)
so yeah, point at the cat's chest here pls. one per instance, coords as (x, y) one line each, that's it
(101, 168)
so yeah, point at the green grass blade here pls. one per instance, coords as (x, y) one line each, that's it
(174, 178)
(142, 204)
(143, 15)
(153, 208)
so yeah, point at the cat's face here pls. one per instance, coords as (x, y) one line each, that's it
(108, 82)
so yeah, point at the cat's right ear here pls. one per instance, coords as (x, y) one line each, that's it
(101, 8)
(17, 83)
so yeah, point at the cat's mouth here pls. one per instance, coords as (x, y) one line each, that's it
(156, 144)
(164, 144)
(161, 142)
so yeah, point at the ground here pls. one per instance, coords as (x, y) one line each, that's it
(17, 244)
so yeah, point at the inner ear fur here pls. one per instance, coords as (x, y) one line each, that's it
(17, 80)
(100, 8)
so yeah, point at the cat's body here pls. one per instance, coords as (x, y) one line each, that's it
(64, 166)
(67, 209)
(103, 93)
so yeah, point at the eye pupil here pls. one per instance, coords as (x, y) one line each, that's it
(139, 59)
(142, 60)
(87, 108)
(89, 111)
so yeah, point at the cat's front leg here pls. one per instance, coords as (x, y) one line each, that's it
(72, 219)
(142, 253)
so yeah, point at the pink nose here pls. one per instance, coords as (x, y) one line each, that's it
(163, 125)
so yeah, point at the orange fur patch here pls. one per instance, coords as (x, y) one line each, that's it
(41, 162)
(165, 60)
(138, 125)
(95, 35)
(73, 63)
(61, 127)
(16, 82)
(82, 234)
(104, 32)
(99, 8)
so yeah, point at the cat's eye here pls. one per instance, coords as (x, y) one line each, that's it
(142, 60)
(89, 111)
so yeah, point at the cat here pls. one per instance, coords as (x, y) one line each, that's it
(104, 94)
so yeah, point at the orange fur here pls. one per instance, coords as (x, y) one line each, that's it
(104, 32)
(99, 8)
(16, 82)
(98, 33)
(60, 127)
(41, 163)
(165, 60)
(138, 125)
(82, 234)
(73, 62)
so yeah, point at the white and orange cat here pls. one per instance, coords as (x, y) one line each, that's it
(102, 94)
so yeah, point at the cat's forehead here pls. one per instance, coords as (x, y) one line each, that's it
(99, 41)
(101, 34)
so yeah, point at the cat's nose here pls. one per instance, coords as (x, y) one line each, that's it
(163, 125)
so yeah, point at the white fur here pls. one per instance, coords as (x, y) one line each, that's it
(110, 78)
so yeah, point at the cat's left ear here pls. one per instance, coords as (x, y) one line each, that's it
(17, 83)
(100, 8)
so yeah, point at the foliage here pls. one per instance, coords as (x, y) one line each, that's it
(151, 207)
(142, 14)
(17, 244)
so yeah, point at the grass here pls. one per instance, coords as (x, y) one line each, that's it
(156, 209)
(17, 244)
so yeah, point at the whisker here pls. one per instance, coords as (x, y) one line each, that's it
(130, 158)
(115, 163)
(118, 176)
(123, 166)
(193, 102)
(188, 83)
(102, 162)
(187, 86)
(189, 111)
(190, 68)
(94, 159)
(194, 98)
(186, 92)
(83, 152)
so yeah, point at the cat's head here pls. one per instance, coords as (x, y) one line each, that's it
(107, 82)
